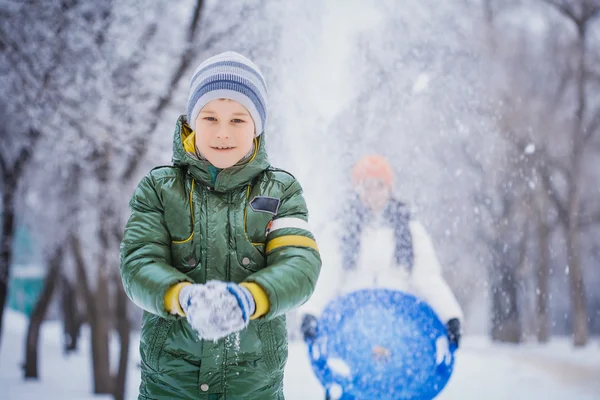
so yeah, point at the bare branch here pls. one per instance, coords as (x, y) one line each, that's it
(123, 71)
(592, 75)
(488, 12)
(563, 9)
(554, 196)
(140, 149)
(187, 57)
(195, 20)
(26, 153)
(556, 164)
(15, 44)
(555, 223)
(593, 126)
(590, 11)
(479, 197)
(56, 62)
(107, 19)
(117, 233)
(214, 38)
(486, 238)
(560, 89)
(26, 69)
(3, 165)
(586, 221)
(472, 161)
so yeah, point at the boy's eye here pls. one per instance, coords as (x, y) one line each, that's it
(237, 121)
(210, 118)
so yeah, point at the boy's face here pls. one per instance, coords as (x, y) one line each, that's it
(224, 132)
(374, 193)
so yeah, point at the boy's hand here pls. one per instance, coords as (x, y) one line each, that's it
(216, 309)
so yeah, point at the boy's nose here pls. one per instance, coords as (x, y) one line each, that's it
(223, 133)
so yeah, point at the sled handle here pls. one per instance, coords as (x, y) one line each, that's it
(321, 367)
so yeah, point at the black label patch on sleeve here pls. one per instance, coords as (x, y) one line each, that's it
(265, 204)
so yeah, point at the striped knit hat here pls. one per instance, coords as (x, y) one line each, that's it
(232, 76)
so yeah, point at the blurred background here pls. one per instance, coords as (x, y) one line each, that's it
(489, 111)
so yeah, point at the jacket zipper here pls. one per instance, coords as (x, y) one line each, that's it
(227, 279)
(229, 238)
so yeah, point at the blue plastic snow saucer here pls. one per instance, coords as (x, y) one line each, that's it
(381, 344)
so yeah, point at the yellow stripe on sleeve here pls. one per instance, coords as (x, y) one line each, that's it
(291, 240)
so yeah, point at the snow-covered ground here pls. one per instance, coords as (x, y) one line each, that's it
(483, 370)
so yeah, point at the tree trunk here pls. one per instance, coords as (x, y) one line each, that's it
(99, 326)
(577, 290)
(123, 324)
(6, 244)
(103, 379)
(103, 382)
(543, 276)
(71, 317)
(123, 328)
(576, 285)
(39, 312)
(506, 325)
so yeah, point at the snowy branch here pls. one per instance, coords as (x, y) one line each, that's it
(563, 8)
(589, 220)
(25, 156)
(589, 10)
(3, 166)
(139, 146)
(244, 14)
(560, 89)
(592, 75)
(593, 126)
(122, 74)
(554, 196)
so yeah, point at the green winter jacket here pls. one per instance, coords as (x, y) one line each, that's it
(183, 227)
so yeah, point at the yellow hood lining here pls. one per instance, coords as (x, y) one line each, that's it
(188, 138)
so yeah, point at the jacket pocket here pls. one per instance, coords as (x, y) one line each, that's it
(251, 256)
(183, 256)
(155, 347)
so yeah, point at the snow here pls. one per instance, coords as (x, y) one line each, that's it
(212, 310)
(28, 271)
(421, 83)
(483, 369)
(530, 148)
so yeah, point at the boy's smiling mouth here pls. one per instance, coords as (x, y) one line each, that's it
(223, 148)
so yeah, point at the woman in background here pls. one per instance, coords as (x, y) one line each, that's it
(382, 246)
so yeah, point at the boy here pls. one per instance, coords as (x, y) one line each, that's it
(218, 248)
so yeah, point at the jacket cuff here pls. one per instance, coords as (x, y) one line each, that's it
(261, 300)
(172, 299)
